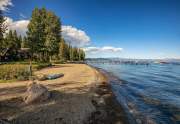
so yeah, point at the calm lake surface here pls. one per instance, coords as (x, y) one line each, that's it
(149, 94)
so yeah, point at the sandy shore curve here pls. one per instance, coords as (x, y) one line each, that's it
(82, 96)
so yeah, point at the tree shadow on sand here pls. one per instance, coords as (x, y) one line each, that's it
(62, 108)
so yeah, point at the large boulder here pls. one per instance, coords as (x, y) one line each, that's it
(36, 93)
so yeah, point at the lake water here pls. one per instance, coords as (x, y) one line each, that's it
(149, 94)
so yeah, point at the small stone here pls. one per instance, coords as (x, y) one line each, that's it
(101, 101)
(95, 95)
(106, 96)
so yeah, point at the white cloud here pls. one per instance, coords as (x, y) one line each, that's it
(104, 49)
(20, 26)
(22, 15)
(91, 49)
(111, 49)
(74, 36)
(4, 4)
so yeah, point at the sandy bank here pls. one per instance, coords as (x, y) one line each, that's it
(81, 96)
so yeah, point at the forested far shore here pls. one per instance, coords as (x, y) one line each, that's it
(43, 41)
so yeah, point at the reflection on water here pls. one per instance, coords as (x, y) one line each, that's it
(150, 94)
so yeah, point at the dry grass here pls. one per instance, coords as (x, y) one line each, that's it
(11, 72)
(14, 71)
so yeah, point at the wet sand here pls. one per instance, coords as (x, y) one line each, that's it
(82, 96)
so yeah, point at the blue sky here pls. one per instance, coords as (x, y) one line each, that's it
(115, 28)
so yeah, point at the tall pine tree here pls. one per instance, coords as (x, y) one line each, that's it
(62, 50)
(12, 44)
(44, 33)
(3, 28)
(52, 31)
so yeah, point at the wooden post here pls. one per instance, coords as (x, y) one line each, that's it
(30, 69)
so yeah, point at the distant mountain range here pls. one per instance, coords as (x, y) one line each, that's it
(129, 60)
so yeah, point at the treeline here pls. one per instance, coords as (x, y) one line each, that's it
(43, 40)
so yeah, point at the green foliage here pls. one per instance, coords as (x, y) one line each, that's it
(2, 30)
(24, 42)
(81, 54)
(35, 33)
(52, 30)
(67, 52)
(75, 54)
(43, 34)
(10, 45)
(44, 38)
(14, 71)
(63, 51)
(42, 43)
(42, 65)
(3, 27)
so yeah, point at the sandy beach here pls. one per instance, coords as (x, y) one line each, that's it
(81, 96)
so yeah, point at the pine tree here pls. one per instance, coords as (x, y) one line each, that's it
(16, 40)
(12, 44)
(52, 30)
(81, 55)
(36, 33)
(62, 50)
(3, 28)
(24, 42)
(67, 52)
(71, 54)
(43, 33)
(75, 54)
(20, 40)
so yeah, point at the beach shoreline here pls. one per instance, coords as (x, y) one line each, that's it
(82, 96)
(115, 112)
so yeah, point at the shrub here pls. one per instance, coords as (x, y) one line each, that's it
(14, 71)
(58, 62)
(42, 65)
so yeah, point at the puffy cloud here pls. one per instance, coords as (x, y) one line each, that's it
(20, 26)
(4, 4)
(74, 36)
(102, 49)
(111, 49)
(91, 49)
